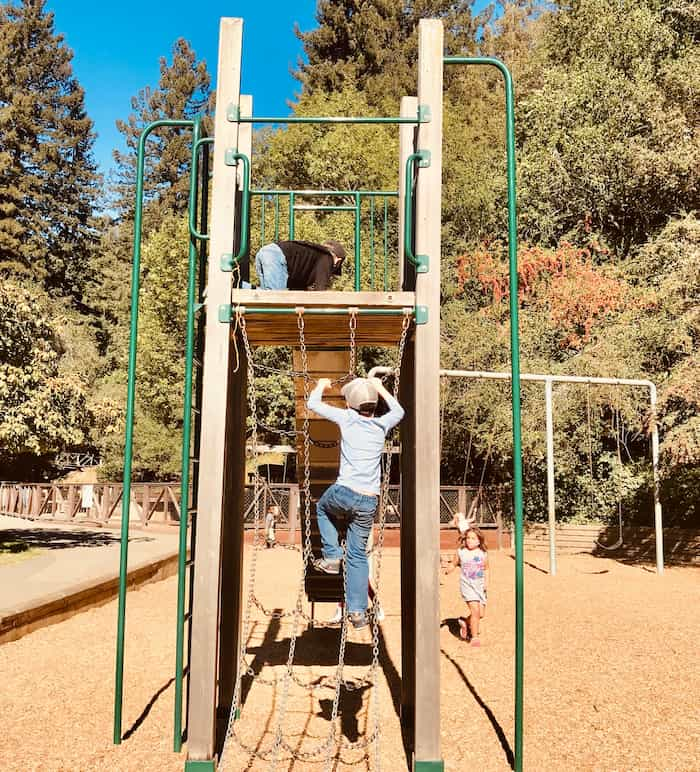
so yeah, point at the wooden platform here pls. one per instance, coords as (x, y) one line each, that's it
(322, 330)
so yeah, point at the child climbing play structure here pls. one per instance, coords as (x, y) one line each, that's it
(226, 324)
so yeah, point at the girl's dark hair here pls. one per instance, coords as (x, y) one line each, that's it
(462, 538)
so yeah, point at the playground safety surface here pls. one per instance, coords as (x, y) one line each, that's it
(611, 676)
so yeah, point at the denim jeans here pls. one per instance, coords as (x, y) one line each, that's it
(271, 265)
(343, 505)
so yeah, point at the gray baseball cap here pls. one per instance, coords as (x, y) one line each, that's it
(360, 392)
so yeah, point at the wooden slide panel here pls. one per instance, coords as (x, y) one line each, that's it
(323, 461)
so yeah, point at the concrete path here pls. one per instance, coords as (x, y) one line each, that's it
(75, 567)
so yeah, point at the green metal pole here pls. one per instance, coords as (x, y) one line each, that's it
(262, 220)
(386, 244)
(277, 216)
(195, 171)
(357, 242)
(327, 119)
(129, 420)
(291, 215)
(186, 445)
(515, 375)
(371, 241)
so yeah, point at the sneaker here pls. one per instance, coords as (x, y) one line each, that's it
(358, 619)
(378, 612)
(337, 618)
(327, 566)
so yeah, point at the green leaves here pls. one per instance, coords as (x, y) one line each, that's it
(42, 407)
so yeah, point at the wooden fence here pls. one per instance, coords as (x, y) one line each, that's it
(681, 545)
(159, 503)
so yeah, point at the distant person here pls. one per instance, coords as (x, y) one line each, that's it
(299, 265)
(472, 559)
(352, 499)
(273, 513)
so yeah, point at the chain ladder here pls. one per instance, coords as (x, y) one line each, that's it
(272, 755)
(243, 666)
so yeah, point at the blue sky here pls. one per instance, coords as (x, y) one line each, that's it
(117, 47)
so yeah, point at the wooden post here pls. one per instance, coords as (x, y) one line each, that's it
(427, 396)
(407, 137)
(234, 506)
(215, 396)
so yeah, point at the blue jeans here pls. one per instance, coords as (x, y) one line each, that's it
(339, 503)
(271, 265)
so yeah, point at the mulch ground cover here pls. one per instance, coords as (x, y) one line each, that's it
(611, 677)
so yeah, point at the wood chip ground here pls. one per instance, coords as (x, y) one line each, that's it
(611, 677)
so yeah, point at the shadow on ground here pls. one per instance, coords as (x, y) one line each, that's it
(497, 728)
(20, 540)
(319, 646)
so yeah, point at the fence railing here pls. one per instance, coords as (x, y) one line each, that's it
(159, 503)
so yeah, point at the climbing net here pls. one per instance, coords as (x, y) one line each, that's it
(281, 749)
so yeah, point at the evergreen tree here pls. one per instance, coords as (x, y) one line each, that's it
(48, 179)
(183, 92)
(373, 45)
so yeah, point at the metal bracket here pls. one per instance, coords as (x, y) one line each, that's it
(225, 313)
(424, 115)
(424, 158)
(233, 113)
(226, 262)
(231, 156)
(198, 307)
(422, 263)
(421, 314)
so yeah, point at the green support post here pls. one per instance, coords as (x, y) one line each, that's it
(515, 373)
(386, 244)
(371, 242)
(186, 440)
(358, 236)
(129, 420)
(421, 262)
(291, 215)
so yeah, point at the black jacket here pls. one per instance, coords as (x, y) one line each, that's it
(308, 265)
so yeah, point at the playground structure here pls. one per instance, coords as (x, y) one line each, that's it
(232, 321)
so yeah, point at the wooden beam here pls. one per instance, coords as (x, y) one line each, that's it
(234, 506)
(215, 393)
(427, 401)
(407, 140)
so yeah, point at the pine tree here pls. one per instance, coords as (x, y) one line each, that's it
(183, 92)
(373, 45)
(48, 178)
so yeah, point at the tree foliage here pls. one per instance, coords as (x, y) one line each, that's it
(42, 402)
(183, 92)
(48, 180)
(609, 136)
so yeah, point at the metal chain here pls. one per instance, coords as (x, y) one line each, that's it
(242, 664)
(383, 500)
(353, 346)
(272, 755)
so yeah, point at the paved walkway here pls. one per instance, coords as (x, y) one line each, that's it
(75, 567)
